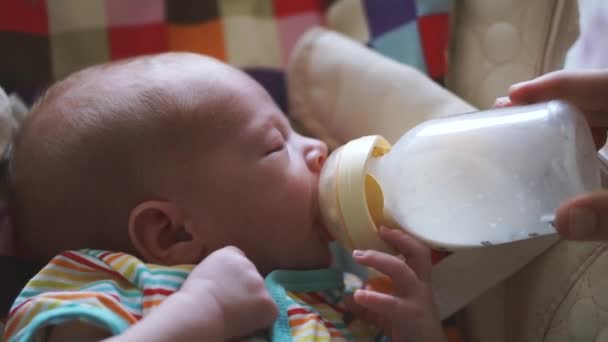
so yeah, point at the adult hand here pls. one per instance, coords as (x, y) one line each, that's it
(584, 217)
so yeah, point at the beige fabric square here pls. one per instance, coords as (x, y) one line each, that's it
(348, 17)
(72, 51)
(260, 8)
(75, 15)
(252, 42)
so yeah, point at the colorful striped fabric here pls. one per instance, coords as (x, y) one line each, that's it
(319, 316)
(44, 40)
(312, 307)
(113, 290)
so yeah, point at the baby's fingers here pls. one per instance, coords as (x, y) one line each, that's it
(416, 253)
(360, 312)
(379, 303)
(402, 275)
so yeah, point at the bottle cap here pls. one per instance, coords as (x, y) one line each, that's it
(351, 199)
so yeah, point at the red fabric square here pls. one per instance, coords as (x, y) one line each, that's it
(284, 8)
(434, 33)
(437, 256)
(137, 40)
(24, 16)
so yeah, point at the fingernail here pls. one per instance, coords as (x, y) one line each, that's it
(383, 229)
(502, 102)
(358, 253)
(359, 293)
(582, 223)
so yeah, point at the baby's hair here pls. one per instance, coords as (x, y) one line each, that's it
(93, 146)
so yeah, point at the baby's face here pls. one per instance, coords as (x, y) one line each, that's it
(258, 188)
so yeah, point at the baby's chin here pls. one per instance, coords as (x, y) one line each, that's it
(325, 239)
(322, 230)
(314, 258)
(324, 257)
(322, 262)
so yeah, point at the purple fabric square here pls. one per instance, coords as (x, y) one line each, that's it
(385, 15)
(273, 80)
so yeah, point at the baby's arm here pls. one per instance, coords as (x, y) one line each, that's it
(76, 331)
(224, 297)
(182, 317)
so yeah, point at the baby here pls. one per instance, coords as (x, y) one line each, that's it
(167, 160)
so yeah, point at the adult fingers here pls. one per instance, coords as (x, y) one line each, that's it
(584, 217)
(585, 89)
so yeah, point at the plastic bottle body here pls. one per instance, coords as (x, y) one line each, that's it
(485, 178)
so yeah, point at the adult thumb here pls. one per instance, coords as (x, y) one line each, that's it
(584, 217)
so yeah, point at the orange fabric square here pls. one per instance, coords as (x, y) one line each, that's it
(205, 38)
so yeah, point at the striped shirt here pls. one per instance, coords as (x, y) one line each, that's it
(114, 290)
(311, 307)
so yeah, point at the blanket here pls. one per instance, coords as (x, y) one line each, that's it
(45, 40)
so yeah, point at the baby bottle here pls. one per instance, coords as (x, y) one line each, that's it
(463, 181)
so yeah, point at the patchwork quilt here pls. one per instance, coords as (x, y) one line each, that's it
(44, 40)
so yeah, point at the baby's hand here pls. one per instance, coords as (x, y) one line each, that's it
(409, 312)
(234, 282)
(223, 298)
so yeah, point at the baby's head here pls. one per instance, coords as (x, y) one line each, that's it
(169, 157)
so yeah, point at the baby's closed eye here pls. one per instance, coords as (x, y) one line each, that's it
(277, 142)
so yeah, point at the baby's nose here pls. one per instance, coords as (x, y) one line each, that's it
(316, 154)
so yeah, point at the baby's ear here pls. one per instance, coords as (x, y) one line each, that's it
(160, 235)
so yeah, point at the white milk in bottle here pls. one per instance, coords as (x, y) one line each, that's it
(469, 180)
